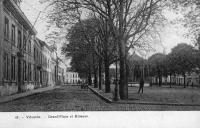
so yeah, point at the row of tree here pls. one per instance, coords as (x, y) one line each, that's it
(103, 31)
(182, 59)
(116, 27)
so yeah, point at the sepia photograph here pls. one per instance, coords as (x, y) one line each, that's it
(100, 60)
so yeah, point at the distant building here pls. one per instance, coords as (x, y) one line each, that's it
(137, 68)
(191, 79)
(72, 78)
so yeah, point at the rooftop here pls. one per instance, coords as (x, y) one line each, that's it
(13, 7)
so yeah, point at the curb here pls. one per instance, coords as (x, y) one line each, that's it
(142, 103)
(101, 96)
(151, 103)
(22, 95)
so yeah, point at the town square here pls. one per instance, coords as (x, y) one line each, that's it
(112, 55)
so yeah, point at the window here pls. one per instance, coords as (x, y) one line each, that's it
(40, 56)
(34, 53)
(29, 47)
(5, 61)
(24, 42)
(48, 64)
(13, 70)
(35, 73)
(29, 72)
(24, 71)
(19, 39)
(13, 34)
(6, 28)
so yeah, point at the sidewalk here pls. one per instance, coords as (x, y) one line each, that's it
(108, 97)
(24, 94)
(105, 96)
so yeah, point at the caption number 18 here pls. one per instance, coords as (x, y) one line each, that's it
(16, 117)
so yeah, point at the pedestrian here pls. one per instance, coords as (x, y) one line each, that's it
(141, 85)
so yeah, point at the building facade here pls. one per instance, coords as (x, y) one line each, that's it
(37, 63)
(16, 55)
(191, 79)
(72, 78)
(48, 52)
(26, 62)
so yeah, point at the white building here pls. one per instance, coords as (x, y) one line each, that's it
(72, 78)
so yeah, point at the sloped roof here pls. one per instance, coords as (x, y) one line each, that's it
(135, 57)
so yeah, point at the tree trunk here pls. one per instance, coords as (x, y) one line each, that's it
(160, 80)
(184, 81)
(100, 75)
(170, 81)
(89, 78)
(127, 74)
(107, 77)
(123, 84)
(94, 71)
(116, 97)
(122, 53)
(95, 79)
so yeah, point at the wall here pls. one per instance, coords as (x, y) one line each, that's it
(1, 41)
(10, 48)
(8, 86)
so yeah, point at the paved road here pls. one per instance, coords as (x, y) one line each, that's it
(72, 98)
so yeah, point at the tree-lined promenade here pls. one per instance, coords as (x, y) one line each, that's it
(104, 32)
(73, 98)
(109, 43)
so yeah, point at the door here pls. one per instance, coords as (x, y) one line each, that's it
(19, 76)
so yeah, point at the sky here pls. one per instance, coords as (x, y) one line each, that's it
(171, 34)
(36, 12)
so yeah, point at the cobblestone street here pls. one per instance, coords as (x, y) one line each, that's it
(72, 98)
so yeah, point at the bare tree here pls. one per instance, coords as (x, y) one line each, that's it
(127, 21)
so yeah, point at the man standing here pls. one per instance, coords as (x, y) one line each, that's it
(141, 85)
